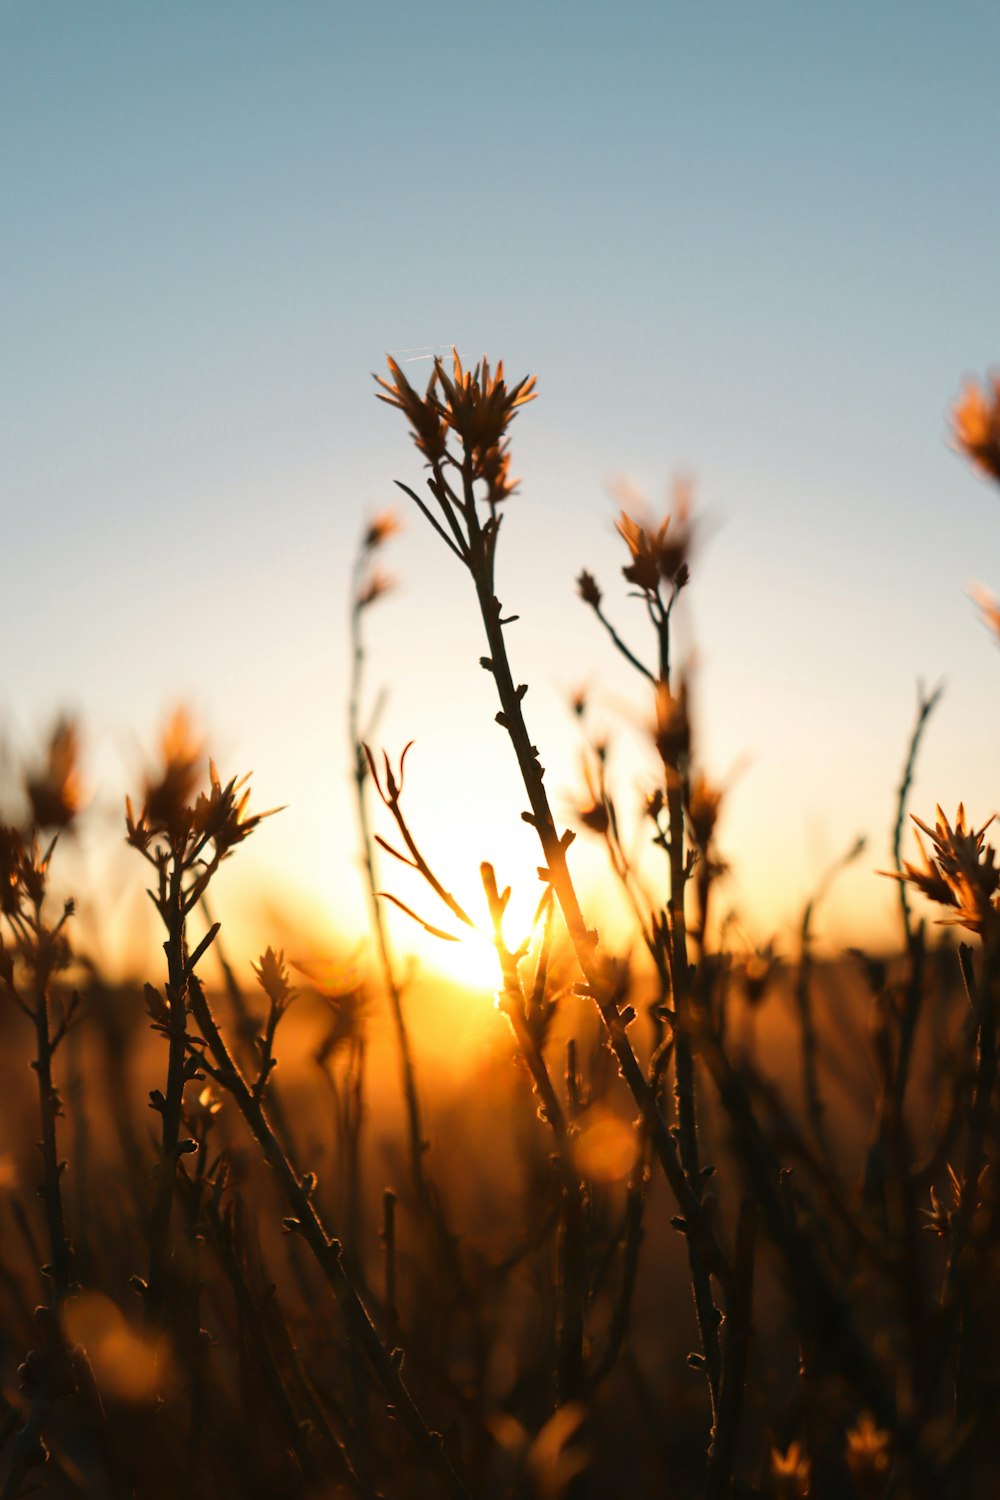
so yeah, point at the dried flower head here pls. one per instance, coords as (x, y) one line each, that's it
(55, 791)
(975, 421)
(475, 406)
(961, 874)
(221, 816)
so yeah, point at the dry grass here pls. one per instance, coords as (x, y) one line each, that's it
(708, 1224)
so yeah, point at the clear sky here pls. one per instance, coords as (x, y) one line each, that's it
(759, 244)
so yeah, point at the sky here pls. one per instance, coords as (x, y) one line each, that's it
(757, 245)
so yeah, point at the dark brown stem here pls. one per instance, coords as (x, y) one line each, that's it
(61, 1263)
(572, 1279)
(173, 914)
(695, 1222)
(736, 1333)
(306, 1221)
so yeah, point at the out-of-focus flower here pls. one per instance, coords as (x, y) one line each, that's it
(790, 1473)
(962, 873)
(868, 1455)
(975, 421)
(55, 792)
(168, 797)
(988, 606)
(383, 526)
(704, 801)
(672, 731)
(659, 552)
(375, 585)
(759, 970)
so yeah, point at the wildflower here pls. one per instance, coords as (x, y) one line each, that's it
(55, 792)
(868, 1455)
(790, 1473)
(961, 875)
(478, 406)
(221, 816)
(424, 413)
(475, 405)
(976, 426)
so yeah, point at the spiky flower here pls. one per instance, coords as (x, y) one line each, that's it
(961, 873)
(474, 406)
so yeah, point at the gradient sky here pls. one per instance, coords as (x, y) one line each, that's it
(759, 244)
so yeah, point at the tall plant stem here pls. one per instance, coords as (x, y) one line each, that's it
(326, 1250)
(572, 1279)
(392, 985)
(61, 1263)
(706, 1311)
(170, 1114)
(584, 939)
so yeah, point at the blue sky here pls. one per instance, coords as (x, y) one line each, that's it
(758, 244)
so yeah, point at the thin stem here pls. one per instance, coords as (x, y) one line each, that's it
(392, 986)
(326, 1250)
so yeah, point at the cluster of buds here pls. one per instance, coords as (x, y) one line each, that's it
(473, 407)
(658, 555)
(961, 874)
